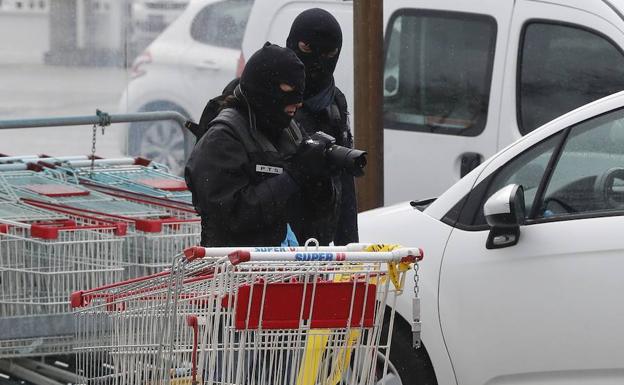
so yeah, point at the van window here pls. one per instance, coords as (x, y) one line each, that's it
(222, 24)
(562, 67)
(438, 69)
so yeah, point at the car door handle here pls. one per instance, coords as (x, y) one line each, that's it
(469, 161)
(207, 65)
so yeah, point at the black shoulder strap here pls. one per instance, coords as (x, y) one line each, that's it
(252, 141)
(341, 102)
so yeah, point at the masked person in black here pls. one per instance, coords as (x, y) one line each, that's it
(315, 36)
(247, 171)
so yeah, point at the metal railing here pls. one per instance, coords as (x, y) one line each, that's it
(100, 118)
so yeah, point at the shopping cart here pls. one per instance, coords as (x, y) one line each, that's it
(36, 185)
(293, 316)
(157, 230)
(72, 170)
(150, 241)
(43, 255)
(129, 174)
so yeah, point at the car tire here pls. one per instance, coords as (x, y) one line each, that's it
(413, 365)
(162, 141)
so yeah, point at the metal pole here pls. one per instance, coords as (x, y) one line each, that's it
(21, 372)
(368, 59)
(100, 118)
(50, 371)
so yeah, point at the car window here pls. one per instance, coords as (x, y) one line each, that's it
(222, 24)
(527, 170)
(437, 73)
(562, 67)
(589, 175)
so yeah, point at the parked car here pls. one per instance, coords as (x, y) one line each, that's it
(521, 280)
(463, 79)
(191, 62)
(150, 17)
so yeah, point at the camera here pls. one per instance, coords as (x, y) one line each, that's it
(351, 160)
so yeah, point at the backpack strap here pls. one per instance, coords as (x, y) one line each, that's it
(341, 103)
(252, 141)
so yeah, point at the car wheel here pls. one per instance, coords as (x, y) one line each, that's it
(162, 141)
(407, 366)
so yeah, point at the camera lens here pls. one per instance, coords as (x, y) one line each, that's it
(351, 160)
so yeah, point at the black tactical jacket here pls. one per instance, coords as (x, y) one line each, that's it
(241, 188)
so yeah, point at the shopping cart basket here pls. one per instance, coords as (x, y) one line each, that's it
(280, 317)
(43, 255)
(135, 175)
(150, 241)
(37, 185)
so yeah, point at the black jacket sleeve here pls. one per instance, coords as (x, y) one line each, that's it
(223, 190)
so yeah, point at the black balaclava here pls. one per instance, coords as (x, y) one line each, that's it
(260, 82)
(321, 32)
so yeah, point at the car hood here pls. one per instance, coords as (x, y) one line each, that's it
(401, 224)
(405, 225)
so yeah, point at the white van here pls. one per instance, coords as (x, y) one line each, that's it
(465, 78)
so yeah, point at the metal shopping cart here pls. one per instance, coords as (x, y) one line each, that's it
(43, 255)
(72, 171)
(151, 240)
(292, 316)
(128, 174)
(157, 229)
(36, 185)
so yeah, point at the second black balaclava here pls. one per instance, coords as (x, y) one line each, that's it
(321, 32)
(260, 81)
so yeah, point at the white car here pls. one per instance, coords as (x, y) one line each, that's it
(522, 277)
(150, 17)
(181, 70)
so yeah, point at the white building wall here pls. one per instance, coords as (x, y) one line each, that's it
(24, 31)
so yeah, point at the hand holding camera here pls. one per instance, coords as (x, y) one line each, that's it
(318, 156)
(308, 162)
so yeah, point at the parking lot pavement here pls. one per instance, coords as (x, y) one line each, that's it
(35, 91)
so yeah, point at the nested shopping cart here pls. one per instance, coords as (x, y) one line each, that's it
(151, 240)
(43, 255)
(36, 185)
(156, 229)
(260, 315)
(129, 174)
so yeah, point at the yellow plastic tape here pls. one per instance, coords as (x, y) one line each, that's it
(343, 359)
(394, 269)
(312, 356)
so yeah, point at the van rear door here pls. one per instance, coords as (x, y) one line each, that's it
(560, 57)
(442, 88)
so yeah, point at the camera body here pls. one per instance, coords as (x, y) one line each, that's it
(351, 160)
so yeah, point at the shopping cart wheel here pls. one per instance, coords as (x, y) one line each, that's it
(412, 365)
(162, 141)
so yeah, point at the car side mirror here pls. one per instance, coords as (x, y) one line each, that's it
(504, 212)
(391, 84)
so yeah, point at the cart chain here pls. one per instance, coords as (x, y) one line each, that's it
(416, 326)
(105, 120)
(93, 140)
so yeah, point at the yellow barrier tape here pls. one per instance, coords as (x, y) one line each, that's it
(394, 269)
(315, 347)
(344, 357)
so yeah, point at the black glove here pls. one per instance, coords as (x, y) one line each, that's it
(308, 162)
